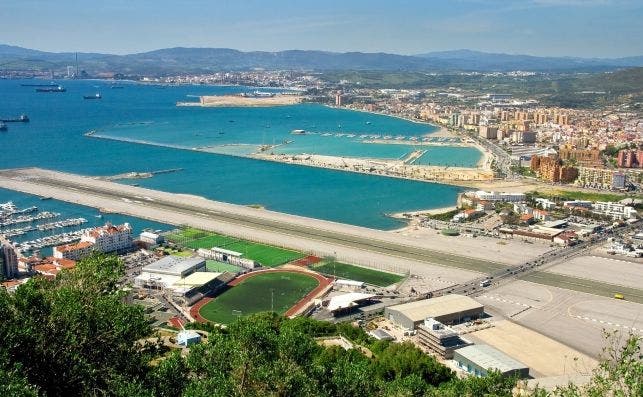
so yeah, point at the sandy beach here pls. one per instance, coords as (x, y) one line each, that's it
(390, 168)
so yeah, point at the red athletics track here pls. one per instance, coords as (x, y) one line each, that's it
(323, 284)
(306, 261)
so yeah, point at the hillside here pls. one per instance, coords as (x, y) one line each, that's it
(198, 60)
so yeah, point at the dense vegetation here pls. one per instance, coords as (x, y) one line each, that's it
(77, 336)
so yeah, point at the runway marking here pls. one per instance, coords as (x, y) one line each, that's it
(612, 259)
(626, 327)
(505, 300)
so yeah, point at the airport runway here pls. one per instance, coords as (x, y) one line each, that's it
(255, 224)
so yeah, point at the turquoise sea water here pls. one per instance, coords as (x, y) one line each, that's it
(54, 139)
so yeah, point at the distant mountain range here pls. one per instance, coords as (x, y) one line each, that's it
(203, 60)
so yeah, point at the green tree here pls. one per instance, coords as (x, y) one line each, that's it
(75, 335)
(619, 373)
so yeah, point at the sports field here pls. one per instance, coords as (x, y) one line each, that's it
(267, 255)
(216, 266)
(259, 293)
(351, 272)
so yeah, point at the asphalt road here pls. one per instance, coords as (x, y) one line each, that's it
(532, 271)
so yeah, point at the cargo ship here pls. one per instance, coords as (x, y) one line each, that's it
(57, 88)
(52, 84)
(95, 96)
(23, 118)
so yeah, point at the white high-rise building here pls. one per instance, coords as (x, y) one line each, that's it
(110, 238)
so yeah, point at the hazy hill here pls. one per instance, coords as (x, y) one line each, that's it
(478, 60)
(196, 60)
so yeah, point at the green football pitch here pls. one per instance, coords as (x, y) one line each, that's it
(351, 272)
(266, 255)
(259, 293)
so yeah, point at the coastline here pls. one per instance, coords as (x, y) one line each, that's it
(386, 168)
(432, 211)
(442, 132)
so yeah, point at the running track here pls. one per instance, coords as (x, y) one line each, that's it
(323, 284)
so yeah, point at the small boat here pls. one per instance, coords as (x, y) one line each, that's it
(368, 122)
(3, 126)
(95, 96)
(114, 87)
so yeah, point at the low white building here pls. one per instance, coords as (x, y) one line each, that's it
(187, 337)
(500, 196)
(616, 211)
(151, 238)
(545, 204)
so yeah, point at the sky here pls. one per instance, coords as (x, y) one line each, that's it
(585, 28)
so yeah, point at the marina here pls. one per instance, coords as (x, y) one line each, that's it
(21, 231)
(50, 241)
(9, 208)
(28, 218)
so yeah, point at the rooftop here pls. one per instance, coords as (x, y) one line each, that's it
(437, 307)
(196, 279)
(74, 247)
(173, 265)
(488, 357)
(110, 229)
(346, 300)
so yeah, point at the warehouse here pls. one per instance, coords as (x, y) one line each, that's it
(175, 266)
(448, 309)
(478, 359)
(165, 272)
(184, 278)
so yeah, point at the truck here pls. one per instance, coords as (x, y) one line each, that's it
(485, 283)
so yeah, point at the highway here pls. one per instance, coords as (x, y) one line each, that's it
(533, 271)
(83, 190)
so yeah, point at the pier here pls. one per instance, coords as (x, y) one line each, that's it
(362, 245)
(50, 241)
(21, 231)
(141, 175)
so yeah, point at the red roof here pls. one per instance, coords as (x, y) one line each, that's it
(74, 247)
(47, 268)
